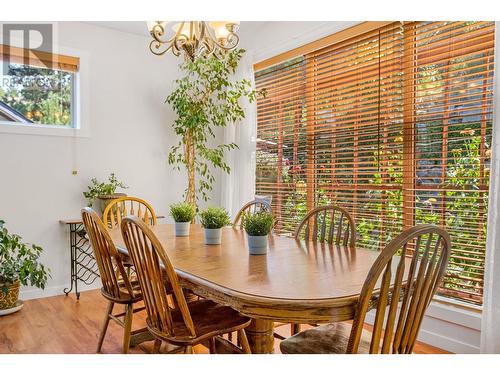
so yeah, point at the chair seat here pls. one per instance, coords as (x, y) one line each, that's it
(209, 319)
(326, 339)
(125, 296)
(136, 287)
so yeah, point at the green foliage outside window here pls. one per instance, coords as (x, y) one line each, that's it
(43, 96)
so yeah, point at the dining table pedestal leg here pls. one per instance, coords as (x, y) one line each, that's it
(260, 334)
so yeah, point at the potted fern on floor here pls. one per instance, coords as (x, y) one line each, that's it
(19, 265)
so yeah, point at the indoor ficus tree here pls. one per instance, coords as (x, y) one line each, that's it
(205, 98)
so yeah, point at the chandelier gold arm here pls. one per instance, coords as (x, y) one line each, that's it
(232, 40)
(200, 41)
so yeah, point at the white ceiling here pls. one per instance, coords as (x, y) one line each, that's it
(262, 39)
(139, 27)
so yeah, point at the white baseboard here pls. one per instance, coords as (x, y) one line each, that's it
(447, 343)
(27, 294)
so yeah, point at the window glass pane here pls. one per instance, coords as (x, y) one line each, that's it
(32, 95)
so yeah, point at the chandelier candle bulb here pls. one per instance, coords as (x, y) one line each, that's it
(220, 29)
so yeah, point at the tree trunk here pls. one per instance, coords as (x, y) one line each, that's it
(189, 156)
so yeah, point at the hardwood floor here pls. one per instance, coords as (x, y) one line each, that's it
(62, 325)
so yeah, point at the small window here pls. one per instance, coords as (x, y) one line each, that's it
(40, 93)
(32, 95)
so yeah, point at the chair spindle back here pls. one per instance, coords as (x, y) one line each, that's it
(109, 262)
(153, 269)
(118, 208)
(429, 248)
(332, 224)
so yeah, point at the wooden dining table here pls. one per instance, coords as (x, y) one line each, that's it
(296, 281)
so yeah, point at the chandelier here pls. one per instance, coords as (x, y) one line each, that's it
(194, 38)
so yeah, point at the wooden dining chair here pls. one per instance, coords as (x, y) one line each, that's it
(332, 224)
(117, 287)
(186, 325)
(118, 208)
(257, 205)
(400, 293)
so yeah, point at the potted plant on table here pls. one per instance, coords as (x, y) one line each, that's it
(105, 192)
(18, 265)
(258, 226)
(213, 219)
(183, 213)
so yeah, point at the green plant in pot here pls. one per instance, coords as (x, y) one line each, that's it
(205, 98)
(18, 265)
(258, 225)
(183, 213)
(105, 192)
(213, 219)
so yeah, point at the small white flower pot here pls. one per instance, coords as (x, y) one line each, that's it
(257, 245)
(182, 229)
(213, 236)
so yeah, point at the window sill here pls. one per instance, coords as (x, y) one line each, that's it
(458, 304)
(463, 314)
(44, 130)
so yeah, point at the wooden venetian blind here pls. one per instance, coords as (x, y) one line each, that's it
(39, 59)
(393, 124)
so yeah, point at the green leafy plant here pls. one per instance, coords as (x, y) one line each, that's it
(97, 188)
(258, 224)
(182, 212)
(214, 218)
(204, 99)
(19, 261)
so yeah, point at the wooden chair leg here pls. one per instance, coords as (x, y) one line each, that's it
(242, 338)
(295, 329)
(157, 346)
(213, 350)
(105, 324)
(127, 327)
(188, 349)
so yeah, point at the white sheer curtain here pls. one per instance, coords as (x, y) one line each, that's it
(238, 187)
(490, 326)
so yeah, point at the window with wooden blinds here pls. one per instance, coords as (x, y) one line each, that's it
(393, 124)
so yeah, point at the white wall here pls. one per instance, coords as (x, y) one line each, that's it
(129, 134)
